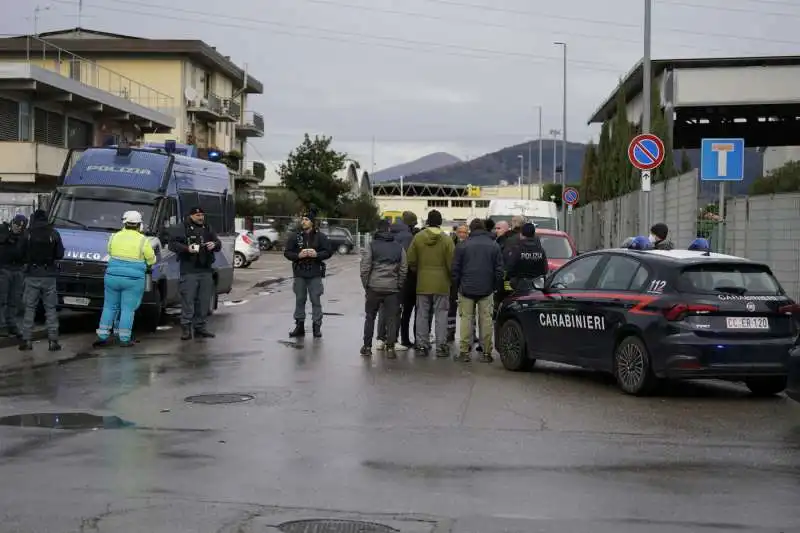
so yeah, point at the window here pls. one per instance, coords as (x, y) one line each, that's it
(462, 203)
(729, 278)
(79, 134)
(556, 247)
(24, 121)
(438, 203)
(577, 274)
(75, 69)
(9, 120)
(618, 273)
(171, 215)
(99, 208)
(230, 215)
(640, 279)
(48, 127)
(188, 200)
(212, 205)
(482, 204)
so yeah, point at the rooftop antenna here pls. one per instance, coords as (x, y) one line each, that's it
(80, 14)
(36, 10)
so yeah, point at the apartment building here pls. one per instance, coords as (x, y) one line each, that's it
(204, 91)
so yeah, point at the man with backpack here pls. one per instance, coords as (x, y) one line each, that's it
(11, 276)
(40, 249)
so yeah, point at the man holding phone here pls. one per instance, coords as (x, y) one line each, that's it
(307, 249)
(195, 243)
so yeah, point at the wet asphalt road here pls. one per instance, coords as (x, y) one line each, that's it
(416, 444)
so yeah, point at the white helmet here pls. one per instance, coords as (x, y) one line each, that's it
(132, 217)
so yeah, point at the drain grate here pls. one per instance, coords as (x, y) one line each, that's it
(65, 421)
(216, 399)
(334, 526)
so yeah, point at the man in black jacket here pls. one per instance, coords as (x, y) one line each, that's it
(307, 249)
(40, 249)
(408, 294)
(11, 277)
(403, 233)
(195, 244)
(477, 271)
(527, 260)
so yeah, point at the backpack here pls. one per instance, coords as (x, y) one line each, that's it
(40, 246)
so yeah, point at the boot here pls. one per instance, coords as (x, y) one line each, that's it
(366, 350)
(299, 330)
(203, 334)
(25, 346)
(186, 333)
(54, 346)
(98, 343)
(127, 344)
(317, 328)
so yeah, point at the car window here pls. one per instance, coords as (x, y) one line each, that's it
(576, 275)
(556, 246)
(729, 278)
(640, 279)
(618, 273)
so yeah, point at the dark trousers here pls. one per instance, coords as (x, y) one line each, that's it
(40, 289)
(197, 291)
(452, 314)
(388, 303)
(409, 303)
(11, 301)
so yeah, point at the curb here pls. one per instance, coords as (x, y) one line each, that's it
(10, 342)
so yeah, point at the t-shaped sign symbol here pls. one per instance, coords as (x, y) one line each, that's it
(722, 150)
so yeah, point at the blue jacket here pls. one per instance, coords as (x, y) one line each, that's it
(478, 265)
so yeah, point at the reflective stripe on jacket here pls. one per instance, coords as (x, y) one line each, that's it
(130, 253)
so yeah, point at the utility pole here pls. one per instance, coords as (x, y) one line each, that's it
(646, 104)
(540, 152)
(564, 133)
(80, 13)
(521, 174)
(372, 170)
(555, 134)
(530, 168)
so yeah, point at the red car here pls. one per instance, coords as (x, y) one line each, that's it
(558, 246)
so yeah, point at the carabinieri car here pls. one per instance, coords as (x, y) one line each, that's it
(645, 316)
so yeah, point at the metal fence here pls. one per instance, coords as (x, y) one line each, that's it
(21, 203)
(343, 232)
(607, 224)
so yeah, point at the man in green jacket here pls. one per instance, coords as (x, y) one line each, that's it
(431, 257)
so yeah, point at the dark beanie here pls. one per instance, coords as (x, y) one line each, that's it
(40, 215)
(660, 230)
(409, 218)
(528, 230)
(434, 218)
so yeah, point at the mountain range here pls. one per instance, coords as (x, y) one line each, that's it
(504, 165)
(423, 164)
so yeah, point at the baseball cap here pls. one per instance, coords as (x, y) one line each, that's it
(132, 217)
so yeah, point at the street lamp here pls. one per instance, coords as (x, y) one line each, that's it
(564, 127)
(521, 174)
(555, 134)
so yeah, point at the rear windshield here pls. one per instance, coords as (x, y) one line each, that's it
(729, 279)
(556, 247)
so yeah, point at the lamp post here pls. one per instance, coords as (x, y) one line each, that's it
(521, 174)
(646, 95)
(555, 134)
(564, 128)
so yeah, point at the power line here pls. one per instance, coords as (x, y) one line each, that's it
(451, 49)
(734, 9)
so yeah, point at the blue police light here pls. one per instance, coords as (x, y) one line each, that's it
(215, 155)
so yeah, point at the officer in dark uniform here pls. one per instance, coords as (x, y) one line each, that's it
(308, 249)
(526, 260)
(40, 249)
(11, 276)
(195, 243)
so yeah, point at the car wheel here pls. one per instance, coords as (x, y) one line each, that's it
(247, 264)
(343, 249)
(512, 347)
(766, 386)
(264, 244)
(238, 260)
(214, 303)
(632, 367)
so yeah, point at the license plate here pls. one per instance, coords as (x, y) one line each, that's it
(747, 322)
(70, 300)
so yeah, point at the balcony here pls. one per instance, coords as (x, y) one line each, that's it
(232, 110)
(23, 161)
(54, 73)
(208, 107)
(252, 125)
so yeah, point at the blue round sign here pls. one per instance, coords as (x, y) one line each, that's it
(570, 196)
(646, 151)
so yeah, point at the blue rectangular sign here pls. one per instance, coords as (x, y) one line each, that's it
(722, 160)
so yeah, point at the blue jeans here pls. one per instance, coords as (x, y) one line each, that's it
(122, 298)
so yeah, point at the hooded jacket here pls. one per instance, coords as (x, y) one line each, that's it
(478, 265)
(431, 257)
(402, 234)
(41, 247)
(10, 256)
(384, 264)
(666, 244)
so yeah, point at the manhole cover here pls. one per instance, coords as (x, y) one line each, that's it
(65, 421)
(334, 526)
(215, 399)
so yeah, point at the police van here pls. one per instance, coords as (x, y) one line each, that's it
(646, 316)
(100, 184)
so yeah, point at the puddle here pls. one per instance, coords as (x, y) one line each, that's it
(232, 303)
(216, 399)
(290, 344)
(65, 421)
(268, 282)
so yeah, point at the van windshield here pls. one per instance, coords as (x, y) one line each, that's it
(99, 208)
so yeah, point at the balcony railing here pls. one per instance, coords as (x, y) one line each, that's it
(252, 125)
(232, 108)
(45, 54)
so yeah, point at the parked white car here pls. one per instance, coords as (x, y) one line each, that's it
(266, 236)
(246, 250)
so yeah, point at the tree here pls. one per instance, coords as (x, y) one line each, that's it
(362, 208)
(660, 127)
(785, 178)
(686, 163)
(604, 164)
(310, 173)
(589, 177)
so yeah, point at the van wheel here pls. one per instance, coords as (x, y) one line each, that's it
(238, 260)
(149, 317)
(766, 386)
(512, 347)
(632, 367)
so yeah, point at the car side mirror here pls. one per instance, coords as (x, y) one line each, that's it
(539, 283)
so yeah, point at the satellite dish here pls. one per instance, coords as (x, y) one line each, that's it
(190, 94)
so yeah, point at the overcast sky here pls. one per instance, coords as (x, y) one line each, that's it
(418, 76)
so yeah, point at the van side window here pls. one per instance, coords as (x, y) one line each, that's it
(230, 215)
(188, 200)
(212, 205)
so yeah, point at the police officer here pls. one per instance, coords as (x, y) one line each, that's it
(11, 276)
(307, 249)
(130, 258)
(195, 243)
(526, 260)
(40, 248)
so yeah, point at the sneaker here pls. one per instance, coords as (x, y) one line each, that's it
(390, 353)
(380, 345)
(25, 346)
(486, 358)
(422, 351)
(127, 344)
(463, 357)
(401, 347)
(366, 350)
(443, 351)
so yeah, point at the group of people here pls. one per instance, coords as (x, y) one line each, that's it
(436, 276)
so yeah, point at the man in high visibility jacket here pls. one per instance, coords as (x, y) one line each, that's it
(130, 258)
